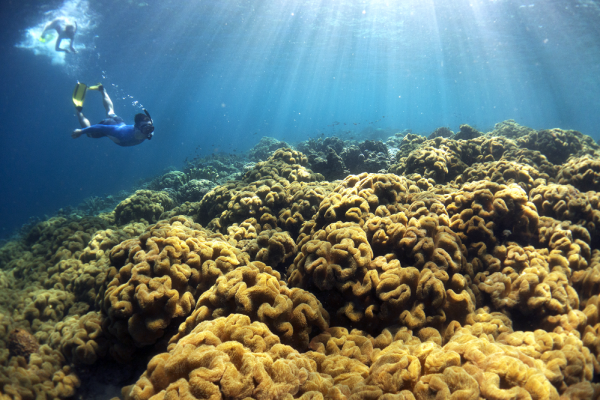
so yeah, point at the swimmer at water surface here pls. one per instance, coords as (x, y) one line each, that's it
(65, 28)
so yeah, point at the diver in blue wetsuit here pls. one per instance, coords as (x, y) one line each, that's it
(112, 127)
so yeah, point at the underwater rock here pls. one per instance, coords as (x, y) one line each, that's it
(22, 343)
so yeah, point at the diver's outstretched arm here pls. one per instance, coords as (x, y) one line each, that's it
(107, 102)
(71, 47)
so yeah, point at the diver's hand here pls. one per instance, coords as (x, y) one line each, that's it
(76, 133)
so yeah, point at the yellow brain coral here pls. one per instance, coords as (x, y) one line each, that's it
(384, 268)
(257, 291)
(80, 339)
(233, 358)
(159, 277)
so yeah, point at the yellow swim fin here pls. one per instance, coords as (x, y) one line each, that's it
(79, 95)
(46, 37)
(95, 87)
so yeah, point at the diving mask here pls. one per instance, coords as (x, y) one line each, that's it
(147, 126)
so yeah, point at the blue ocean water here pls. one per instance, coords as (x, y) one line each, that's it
(218, 75)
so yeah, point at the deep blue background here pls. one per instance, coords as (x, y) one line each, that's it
(216, 76)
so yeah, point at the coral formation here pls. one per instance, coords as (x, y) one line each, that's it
(194, 190)
(558, 144)
(466, 132)
(257, 291)
(80, 339)
(172, 179)
(45, 375)
(144, 204)
(442, 131)
(581, 172)
(158, 277)
(511, 129)
(265, 147)
(229, 357)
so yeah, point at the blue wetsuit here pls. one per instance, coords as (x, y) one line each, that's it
(116, 130)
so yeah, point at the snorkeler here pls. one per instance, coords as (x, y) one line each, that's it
(65, 28)
(112, 127)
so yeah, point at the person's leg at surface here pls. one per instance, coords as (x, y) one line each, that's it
(70, 31)
(57, 47)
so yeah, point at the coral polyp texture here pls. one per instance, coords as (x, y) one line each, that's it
(459, 265)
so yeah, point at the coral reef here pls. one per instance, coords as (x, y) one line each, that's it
(470, 270)
(45, 375)
(80, 339)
